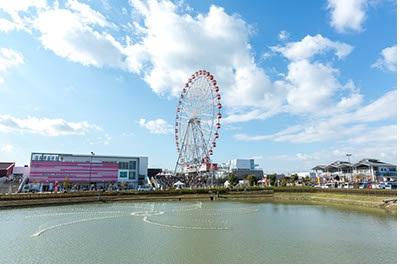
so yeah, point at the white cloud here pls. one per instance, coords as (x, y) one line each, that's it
(157, 126)
(309, 85)
(17, 10)
(70, 33)
(7, 148)
(346, 127)
(347, 15)
(381, 134)
(7, 25)
(283, 35)
(8, 59)
(310, 46)
(174, 44)
(306, 87)
(12, 7)
(170, 44)
(44, 126)
(383, 108)
(350, 102)
(254, 114)
(304, 156)
(388, 59)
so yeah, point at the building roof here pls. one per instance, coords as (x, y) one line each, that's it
(319, 167)
(342, 164)
(87, 155)
(6, 166)
(373, 162)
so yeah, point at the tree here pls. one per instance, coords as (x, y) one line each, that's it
(307, 181)
(293, 178)
(272, 179)
(252, 179)
(232, 179)
(284, 181)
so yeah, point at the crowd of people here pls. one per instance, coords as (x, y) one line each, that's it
(192, 181)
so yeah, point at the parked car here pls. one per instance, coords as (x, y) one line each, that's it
(365, 185)
(388, 185)
(143, 188)
(347, 185)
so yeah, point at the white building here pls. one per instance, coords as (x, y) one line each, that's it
(242, 164)
(244, 167)
(366, 169)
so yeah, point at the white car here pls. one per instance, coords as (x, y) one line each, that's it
(347, 185)
(144, 189)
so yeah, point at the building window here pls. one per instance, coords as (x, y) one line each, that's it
(123, 174)
(132, 165)
(132, 175)
(123, 165)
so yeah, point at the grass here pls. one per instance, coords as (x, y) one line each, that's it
(364, 200)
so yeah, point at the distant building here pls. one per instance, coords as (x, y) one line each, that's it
(376, 170)
(6, 169)
(244, 167)
(60, 167)
(367, 169)
(21, 172)
(241, 164)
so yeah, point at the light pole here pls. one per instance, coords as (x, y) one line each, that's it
(90, 170)
(351, 172)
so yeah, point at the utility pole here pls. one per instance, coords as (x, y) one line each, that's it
(351, 173)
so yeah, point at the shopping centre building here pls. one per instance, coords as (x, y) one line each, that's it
(51, 168)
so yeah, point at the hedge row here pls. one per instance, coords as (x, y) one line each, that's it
(336, 190)
(220, 190)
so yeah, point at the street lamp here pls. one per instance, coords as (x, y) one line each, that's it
(351, 172)
(90, 170)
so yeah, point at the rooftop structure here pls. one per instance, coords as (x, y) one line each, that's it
(6, 169)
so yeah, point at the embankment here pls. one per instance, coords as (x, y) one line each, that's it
(384, 199)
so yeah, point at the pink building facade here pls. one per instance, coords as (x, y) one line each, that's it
(75, 172)
(51, 168)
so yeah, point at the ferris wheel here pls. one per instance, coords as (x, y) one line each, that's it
(198, 117)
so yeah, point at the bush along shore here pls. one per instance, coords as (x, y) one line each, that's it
(385, 199)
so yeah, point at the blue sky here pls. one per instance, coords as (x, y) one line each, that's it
(302, 84)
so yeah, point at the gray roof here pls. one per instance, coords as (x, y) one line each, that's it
(342, 164)
(373, 162)
(319, 167)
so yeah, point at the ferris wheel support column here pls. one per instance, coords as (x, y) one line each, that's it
(180, 153)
